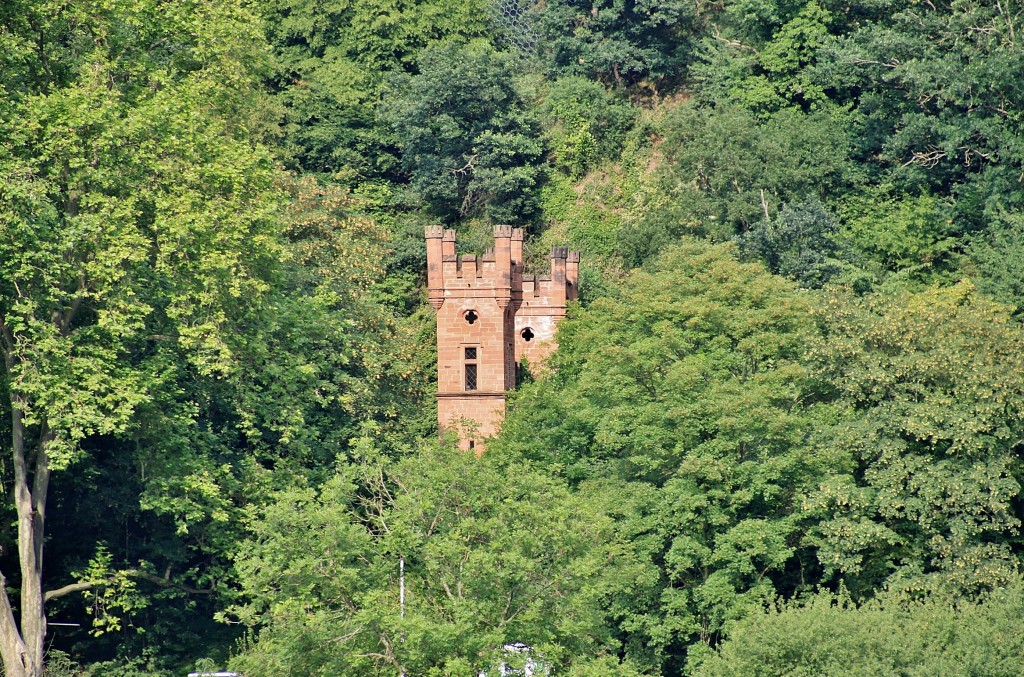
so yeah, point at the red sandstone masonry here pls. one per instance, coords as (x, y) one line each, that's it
(505, 306)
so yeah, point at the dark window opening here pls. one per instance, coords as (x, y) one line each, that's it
(527, 334)
(471, 316)
(470, 377)
(472, 444)
(470, 353)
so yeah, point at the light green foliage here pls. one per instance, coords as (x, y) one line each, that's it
(911, 236)
(686, 389)
(138, 225)
(324, 357)
(116, 593)
(586, 124)
(892, 463)
(766, 75)
(933, 385)
(110, 196)
(583, 215)
(154, 291)
(697, 314)
(829, 636)
(321, 363)
(469, 144)
(493, 554)
(603, 665)
(589, 213)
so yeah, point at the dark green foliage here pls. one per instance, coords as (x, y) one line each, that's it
(725, 170)
(469, 145)
(939, 85)
(245, 383)
(616, 41)
(332, 57)
(998, 256)
(800, 243)
(929, 101)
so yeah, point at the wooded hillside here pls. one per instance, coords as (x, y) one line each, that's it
(782, 434)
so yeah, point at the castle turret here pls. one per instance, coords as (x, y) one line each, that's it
(543, 307)
(572, 276)
(435, 280)
(489, 317)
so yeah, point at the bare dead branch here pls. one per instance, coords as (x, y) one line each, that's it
(468, 167)
(891, 63)
(717, 35)
(927, 159)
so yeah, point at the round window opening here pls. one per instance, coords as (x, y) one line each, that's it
(527, 334)
(471, 316)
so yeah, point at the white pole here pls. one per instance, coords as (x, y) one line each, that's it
(401, 594)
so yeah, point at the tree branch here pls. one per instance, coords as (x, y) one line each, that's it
(163, 582)
(74, 587)
(717, 35)
(69, 315)
(468, 167)
(8, 344)
(12, 649)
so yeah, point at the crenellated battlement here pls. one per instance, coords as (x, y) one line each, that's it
(498, 266)
(491, 316)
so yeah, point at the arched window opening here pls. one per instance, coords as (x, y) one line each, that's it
(471, 316)
(527, 334)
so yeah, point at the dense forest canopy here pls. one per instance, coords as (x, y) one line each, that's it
(783, 430)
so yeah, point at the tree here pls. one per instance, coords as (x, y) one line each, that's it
(314, 362)
(941, 106)
(799, 243)
(469, 144)
(684, 397)
(998, 258)
(764, 56)
(332, 58)
(617, 42)
(931, 387)
(136, 218)
(490, 552)
(585, 123)
(725, 171)
(829, 635)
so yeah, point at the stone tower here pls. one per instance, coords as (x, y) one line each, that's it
(489, 317)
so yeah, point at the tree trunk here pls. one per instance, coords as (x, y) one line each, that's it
(12, 648)
(22, 651)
